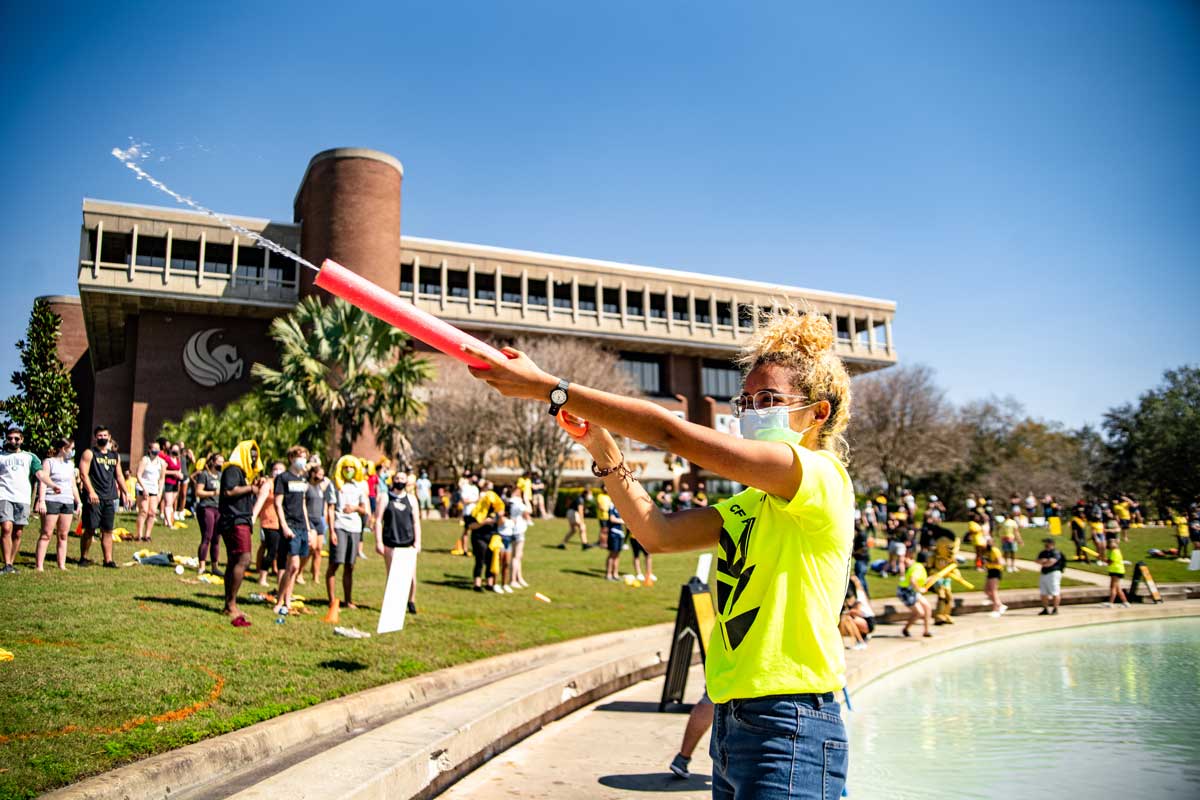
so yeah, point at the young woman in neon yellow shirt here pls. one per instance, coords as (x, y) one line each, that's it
(783, 545)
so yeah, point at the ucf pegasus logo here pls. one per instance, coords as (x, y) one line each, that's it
(733, 576)
(210, 367)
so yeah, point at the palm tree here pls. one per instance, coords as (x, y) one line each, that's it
(347, 368)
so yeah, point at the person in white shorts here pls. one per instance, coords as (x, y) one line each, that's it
(1050, 582)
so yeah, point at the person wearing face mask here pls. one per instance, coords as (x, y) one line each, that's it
(104, 481)
(398, 524)
(58, 504)
(207, 483)
(172, 475)
(268, 520)
(18, 469)
(149, 480)
(291, 493)
(345, 537)
(783, 545)
(235, 521)
(317, 498)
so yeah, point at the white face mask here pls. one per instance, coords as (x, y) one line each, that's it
(771, 424)
(299, 464)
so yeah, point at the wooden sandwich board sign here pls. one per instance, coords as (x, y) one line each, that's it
(693, 625)
(1141, 573)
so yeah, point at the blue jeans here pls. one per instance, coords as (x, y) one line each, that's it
(861, 566)
(785, 746)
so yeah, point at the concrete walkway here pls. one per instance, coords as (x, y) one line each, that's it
(620, 746)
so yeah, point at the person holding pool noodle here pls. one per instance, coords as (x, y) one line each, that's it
(783, 545)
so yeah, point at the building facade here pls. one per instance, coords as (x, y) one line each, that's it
(173, 306)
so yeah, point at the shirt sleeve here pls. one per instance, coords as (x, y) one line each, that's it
(824, 485)
(231, 478)
(35, 464)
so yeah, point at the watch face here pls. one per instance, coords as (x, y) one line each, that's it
(558, 397)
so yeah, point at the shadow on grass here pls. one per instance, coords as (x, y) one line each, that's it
(343, 666)
(182, 602)
(453, 581)
(657, 782)
(587, 573)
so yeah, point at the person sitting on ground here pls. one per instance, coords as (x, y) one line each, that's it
(858, 618)
(994, 562)
(911, 593)
(1116, 573)
(1053, 562)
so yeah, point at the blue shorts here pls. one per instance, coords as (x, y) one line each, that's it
(615, 541)
(507, 542)
(297, 545)
(778, 747)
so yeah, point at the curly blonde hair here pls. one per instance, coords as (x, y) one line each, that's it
(802, 342)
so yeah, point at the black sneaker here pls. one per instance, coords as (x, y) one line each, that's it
(86, 562)
(477, 588)
(412, 608)
(1055, 611)
(562, 547)
(110, 564)
(7, 569)
(679, 766)
(1045, 612)
(218, 573)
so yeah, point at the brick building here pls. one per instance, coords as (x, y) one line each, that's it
(173, 307)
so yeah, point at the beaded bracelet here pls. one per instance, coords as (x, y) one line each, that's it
(621, 470)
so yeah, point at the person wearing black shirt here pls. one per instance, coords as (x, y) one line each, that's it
(103, 482)
(397, 524)
(1053, 562)
(235, 518)
(291, 494)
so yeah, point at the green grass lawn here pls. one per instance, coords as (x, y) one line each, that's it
(99, 653)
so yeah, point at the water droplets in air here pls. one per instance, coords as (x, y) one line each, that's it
(137, 152)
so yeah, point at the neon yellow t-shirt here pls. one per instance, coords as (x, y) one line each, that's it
(1121, 510)
(1116, 562)
(603, 504)
(1011, 528)
(1181, 525)
(783, 565)
(994, 559)
(915, 576)
(524, 487)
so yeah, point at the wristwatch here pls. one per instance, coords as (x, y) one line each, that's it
(558, 397)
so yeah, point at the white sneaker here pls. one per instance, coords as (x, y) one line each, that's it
(641, 577)
(508, 588)
(1124, 605)
(1106, 605)
(497, 590)
(523, 584)
(653, 577)
(859, 646)
(994, 614)
(1003, 608)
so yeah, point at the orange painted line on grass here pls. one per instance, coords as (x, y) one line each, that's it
(174, 715)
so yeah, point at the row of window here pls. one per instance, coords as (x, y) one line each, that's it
(541, 295)
(185, 256)
(717, 378)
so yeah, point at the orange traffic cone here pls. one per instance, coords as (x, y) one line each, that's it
(332, 615)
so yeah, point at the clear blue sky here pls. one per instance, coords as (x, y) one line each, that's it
(1023, 178)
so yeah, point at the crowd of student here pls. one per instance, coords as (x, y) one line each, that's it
(926, 555)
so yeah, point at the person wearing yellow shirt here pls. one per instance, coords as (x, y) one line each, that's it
(482, 523)
(525, 488)
(603, 504)
(1116, 571)
(993, 560)
(783, 545)
(1124, 518)
(1010, 540)
(1181, 535)
(911, 592)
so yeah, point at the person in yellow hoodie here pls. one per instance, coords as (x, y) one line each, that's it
(482, 523)
(235, 521)
(345, 538)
